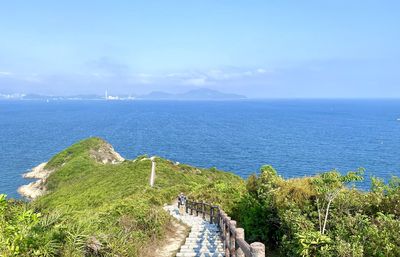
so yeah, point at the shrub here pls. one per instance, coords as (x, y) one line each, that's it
(321, 215)
(24, 233)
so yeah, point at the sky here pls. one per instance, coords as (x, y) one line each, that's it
(262, 49)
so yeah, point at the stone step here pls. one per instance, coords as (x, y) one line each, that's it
(200, 255)
(210, 235)
(202, 249)
(186, 247)
(204, 239)
(202, 246)
(203, 235)
(194, 240)
(191, 245)
(207, 227)
(205, 231)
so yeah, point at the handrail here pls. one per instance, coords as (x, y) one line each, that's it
(233, 238)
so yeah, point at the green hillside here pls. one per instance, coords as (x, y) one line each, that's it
(112, 206)
(98, 204)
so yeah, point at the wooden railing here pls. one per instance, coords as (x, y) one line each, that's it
(233, 238)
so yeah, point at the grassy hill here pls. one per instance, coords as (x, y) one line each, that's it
(98, 204)
(106, 209)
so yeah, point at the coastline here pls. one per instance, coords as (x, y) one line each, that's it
(36, 188)
(105, 154)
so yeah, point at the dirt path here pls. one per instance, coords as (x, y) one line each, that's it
(175, 237)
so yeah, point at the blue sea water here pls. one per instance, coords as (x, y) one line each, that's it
(297, 137)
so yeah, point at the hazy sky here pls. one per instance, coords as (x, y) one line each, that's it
(263, 48)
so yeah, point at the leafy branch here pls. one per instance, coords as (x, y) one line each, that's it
(328, 186)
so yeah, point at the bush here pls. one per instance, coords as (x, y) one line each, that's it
(321, 215)
(24, 232)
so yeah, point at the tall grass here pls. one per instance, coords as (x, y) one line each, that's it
(110, 210)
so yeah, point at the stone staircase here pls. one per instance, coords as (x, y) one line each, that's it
(204, 239)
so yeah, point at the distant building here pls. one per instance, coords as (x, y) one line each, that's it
(110, 97)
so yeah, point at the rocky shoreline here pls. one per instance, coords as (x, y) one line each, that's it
(35, 188)
(105, 154)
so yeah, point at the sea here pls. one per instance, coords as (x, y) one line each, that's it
(297, 137)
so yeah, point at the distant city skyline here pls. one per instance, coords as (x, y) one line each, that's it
(196, 94)
(261, 49)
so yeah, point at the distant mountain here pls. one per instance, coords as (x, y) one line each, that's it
(156, 95)
(209, 94)
(38, 97)
(196, 94)
(72, 97)
(15, 96)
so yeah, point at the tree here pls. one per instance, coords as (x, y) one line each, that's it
(328, 185)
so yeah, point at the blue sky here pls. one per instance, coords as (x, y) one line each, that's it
(268, 49)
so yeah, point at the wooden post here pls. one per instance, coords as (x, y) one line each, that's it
(257, 249)
(222, 217)
(211, 214)
(228, 237)
(203, 210)
(220, 220)
(197, 209)
(153, 171)
(223, 228)
(232, 237)
(239, 235)
(217, 216)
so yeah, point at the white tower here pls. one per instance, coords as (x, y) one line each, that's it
(106, 95)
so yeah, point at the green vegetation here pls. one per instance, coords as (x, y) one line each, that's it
(24, 232)
(321, 215)
(96, 209)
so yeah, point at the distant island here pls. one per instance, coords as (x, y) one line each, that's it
(201, 94)
(196, 94)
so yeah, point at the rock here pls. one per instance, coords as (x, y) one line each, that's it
(93, 246)
(33, 189)
(38, 172)
(106, 155)
(36, 188)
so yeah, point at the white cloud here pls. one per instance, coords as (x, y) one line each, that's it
(211, 77)
(232, 74)
(175, 75)
(196, 81)
(144, 78)
(33, 77)
(5, 73)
